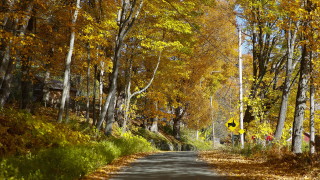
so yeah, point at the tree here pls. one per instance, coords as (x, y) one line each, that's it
(66, 82)
(127, 15)
(13, 27)
(291, 34)
(261, 19)
(301, 99)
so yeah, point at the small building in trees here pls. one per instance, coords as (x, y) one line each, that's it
(306, 138)
(55, 88)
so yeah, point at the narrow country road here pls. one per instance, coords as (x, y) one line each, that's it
(168, 166)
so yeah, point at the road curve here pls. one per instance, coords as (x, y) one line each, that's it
(168, 166)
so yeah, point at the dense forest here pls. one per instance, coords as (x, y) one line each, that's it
(99, 69)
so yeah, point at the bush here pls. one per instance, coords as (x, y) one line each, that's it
(130, 144)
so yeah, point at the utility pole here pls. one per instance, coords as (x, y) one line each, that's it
(211, 110)
(241, 91)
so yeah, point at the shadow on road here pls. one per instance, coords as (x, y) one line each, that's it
(169, 165)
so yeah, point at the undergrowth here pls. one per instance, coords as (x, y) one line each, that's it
(36, 147)
(277, 155)
(70, 162)
(23, 133)
(200, 144)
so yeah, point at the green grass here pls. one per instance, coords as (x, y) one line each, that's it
(71, 162)
(34, 146)
(188, 137)
(157, 139)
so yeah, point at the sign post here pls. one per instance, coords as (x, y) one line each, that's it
(232, 125)
(241, 131)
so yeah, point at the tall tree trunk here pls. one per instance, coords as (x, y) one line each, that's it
(112, 89)
(78, 93)
(176, 127)
(127, 15)
(94, 118)
(4, 44)
(46, 89)
(179, 113)
(127, 92)
(291, 38)
(88, 86)
(301, 100)
(26, 81)
(154, 123)
(312, 109)
(68, 63)
(68, 100)
(126, 114)
(5, 58)
(129, 95)
(101, 86)
(26, 86)
(19, 27)
(110, 116)
(6, 84)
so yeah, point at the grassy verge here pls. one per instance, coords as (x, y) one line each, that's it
(71, 162)
(188, 137)
(34, 146)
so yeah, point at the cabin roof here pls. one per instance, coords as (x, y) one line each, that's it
(54, 84)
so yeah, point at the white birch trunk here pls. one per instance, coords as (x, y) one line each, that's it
(286, 90)
(154, 125)
(129, 95)
(301, 99)
(45, 89)
(68, 64)
(101, 86)
(68, 100)
(312, 109)
(94, 96)
(127, 16)
(88, 87)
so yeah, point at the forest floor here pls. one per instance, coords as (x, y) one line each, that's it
(237, 166)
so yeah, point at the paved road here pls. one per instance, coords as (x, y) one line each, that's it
(168, 166)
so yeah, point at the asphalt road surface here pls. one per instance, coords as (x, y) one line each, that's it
(169, 166)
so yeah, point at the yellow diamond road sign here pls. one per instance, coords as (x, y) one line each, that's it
(232, 124)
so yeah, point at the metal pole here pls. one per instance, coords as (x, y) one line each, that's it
(232, 139)
(211, 109)
(241, 91)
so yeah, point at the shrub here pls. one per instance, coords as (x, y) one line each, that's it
(130, 144)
